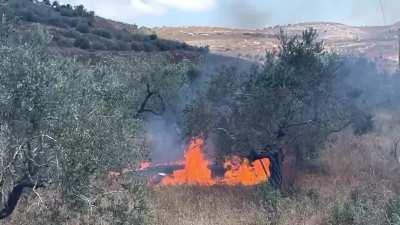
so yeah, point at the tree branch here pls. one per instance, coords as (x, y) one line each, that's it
(143, 107)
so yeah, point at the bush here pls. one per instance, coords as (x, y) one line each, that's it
(137, 46)
(98, 45)
(121, 46)
(57, 22)
(149, 47)
(28, 16)
(103, 33)
(72, 22)
(62, 41)
(82, 43)
(70, 33)
(83, 27)
(123, 36)
(153, 37)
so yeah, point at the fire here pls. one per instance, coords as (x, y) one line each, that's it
(246, 173)
(196, 170)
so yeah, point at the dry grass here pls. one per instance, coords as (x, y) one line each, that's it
(360, 174)
(361, 166)
(204, 206)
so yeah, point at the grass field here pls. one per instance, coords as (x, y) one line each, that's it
(352, 183)
(356, 178)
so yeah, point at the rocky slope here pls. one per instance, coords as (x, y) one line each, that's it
(377, 43)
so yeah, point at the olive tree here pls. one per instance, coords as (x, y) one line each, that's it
(64, 122)
(296, 97)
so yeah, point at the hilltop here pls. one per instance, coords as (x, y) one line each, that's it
(76, 30)
(376, 43)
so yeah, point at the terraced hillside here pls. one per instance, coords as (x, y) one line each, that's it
(377, 43)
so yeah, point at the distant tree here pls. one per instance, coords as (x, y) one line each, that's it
(56, 5)
(47, 2)
(67, 10)
(82, 27)
(80, 11)
(29, 16)
(153, 37)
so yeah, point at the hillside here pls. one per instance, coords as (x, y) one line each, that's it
(377, 43)
(76, 30)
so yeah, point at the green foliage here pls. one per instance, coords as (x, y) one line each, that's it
(66, 123)
(82, 43)
(393, 211)
(82, 27)
(103, 33)
(294, 98)
(66, 10)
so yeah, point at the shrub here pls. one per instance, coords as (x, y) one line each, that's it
(98, 45)
(123, 36)
(161, 44)
(103, 33)
(121, 46)
(82, 43)
(153, 37)
(28, 16)
(70, 33)
(57, 22)
(82, 27)
(139, 37)
(72, 22)
(62, 41)
(149, 47)
(137, 46)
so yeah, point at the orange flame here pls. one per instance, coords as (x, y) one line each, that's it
(196, 171)
(247, 173)
(238, 171)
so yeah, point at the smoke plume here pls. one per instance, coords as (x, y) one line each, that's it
(246, 14)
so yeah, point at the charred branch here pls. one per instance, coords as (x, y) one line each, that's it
(275, 155)
(15, 195)
(143, 106)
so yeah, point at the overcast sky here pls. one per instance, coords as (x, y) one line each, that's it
(244, 13)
